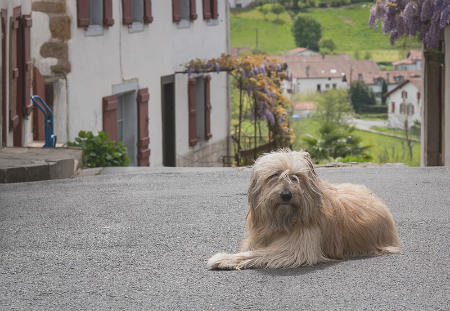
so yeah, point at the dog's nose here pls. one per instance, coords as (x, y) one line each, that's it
(286, 195)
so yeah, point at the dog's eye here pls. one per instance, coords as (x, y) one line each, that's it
(273, 176)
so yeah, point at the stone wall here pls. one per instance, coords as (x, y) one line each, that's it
(210, 154)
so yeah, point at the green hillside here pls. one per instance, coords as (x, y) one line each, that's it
(347, 26)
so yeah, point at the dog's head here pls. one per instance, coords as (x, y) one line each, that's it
(284, 190)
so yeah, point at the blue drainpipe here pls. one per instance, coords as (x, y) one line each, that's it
(50, 137)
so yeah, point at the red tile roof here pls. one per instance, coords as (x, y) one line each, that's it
(304, 105)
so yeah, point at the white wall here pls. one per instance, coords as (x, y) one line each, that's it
(397, 119)
(310, 85)
(160, 49)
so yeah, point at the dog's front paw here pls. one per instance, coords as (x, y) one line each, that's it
(222, 261)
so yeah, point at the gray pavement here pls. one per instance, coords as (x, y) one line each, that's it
(140, 238)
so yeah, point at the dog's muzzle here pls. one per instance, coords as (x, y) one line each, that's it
(286, 195)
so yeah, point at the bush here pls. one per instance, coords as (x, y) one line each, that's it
(361, 96)
(373, 109)
(99, 151)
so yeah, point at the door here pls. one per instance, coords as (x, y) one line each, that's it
(168, 120)
(127, 124)
(3, 17)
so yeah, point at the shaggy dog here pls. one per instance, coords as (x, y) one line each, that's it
(296, 219)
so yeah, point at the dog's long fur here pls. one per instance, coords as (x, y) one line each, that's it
(321, 222)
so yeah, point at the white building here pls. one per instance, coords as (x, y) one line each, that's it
(405, 103)
(413, 61)
(117, 66)
(238, 4)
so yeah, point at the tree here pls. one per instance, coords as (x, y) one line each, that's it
(360, 95)
(327, 46)
(264, 11)
(277, 9)
(307, 32)
(333, 108)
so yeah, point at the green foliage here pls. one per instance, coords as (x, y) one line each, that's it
(99, 151)
(416, 128)
(277, 9)
(327, 46)
(307, 32)
(368, 55)
(336, 142)
(361, 95)
(264, 11)
(333, 107)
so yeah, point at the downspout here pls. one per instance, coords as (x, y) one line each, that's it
(227, 23)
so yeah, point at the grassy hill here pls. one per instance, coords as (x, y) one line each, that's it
(347, 26)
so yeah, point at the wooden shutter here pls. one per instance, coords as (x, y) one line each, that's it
(148, 18)
(192, 10)
(28, 65)
(38, 116)
(108, 19)
(110, 104)
(208, 134)
(83, 13)
(13, 115)
(127, 8)
(215, 9)
(192, 112)
(176, 14)
(143, 137)
(206, 9)
(4, 72)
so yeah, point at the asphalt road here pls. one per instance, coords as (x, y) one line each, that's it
(140, 238)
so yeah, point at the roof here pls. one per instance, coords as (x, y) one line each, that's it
(332, 66)
(304, 105)
(415, 54)
(389, 76)
(416, 82)
(405, 62)
(299, 50)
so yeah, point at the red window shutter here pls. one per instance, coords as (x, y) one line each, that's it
(83, 13)
(412, 109)
(176, 14)
(148, 18)
(13, 115)
(108, 19)
(193, 10)
(143, 137)
(208, 134)
(393, 107)
(206, 9)
(215, 9)
(28, 65)
(38, 116)
(192, 112)
(110, 104)
(127, 8)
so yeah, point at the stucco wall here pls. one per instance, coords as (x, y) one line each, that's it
(161, 49)
(397, 119)
(310, 85)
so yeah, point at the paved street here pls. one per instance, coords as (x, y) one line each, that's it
(367, 124)
(139, 239)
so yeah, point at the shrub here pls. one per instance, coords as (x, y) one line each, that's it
(99, 151)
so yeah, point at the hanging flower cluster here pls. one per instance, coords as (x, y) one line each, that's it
(408, 17)
(260, 76)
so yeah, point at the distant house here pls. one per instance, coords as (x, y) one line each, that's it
(405, 103)
(413, 62)
(300, 52)
(118, 66)
(303, 109)
(239, 4)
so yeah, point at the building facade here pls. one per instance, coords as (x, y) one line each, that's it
(118, 66)
(405, 104)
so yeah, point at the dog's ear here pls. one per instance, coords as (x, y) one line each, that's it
(310, 164)
(252, 215)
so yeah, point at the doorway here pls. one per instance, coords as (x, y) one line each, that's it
(168, 120)
(127, 124)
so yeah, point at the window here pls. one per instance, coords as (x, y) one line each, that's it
(393, 107)
(136, 13)
(210, 9)
(93, 15)
(410, 109)
(404, 94)
(184, 11)
(334, 85)
(200, 108)
(327, 86)
(318, 88)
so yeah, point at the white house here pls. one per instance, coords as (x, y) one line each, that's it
(413, 61)
(239, 3)
(405, 103)
(118, 66)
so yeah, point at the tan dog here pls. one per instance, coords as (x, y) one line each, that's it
(296, 219)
